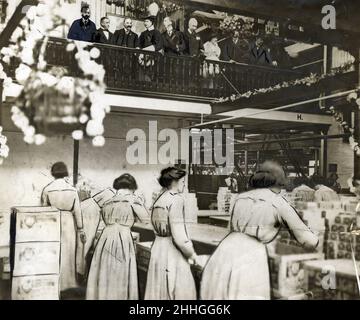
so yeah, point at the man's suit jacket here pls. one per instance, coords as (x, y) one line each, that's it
(260, 56)
(122, 39)
(193, 44)
(99, 37)
(174, 44)
(238, 52)
(81, 32)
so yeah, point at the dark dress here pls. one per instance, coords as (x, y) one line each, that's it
(100, 37)
(149, 63)
(81, 31)
(130, 40)
(151, 38)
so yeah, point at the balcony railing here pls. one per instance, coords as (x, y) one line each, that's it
(137, 72)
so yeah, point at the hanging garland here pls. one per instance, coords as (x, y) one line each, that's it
(4, 149)
(50, 101)
(310, 80)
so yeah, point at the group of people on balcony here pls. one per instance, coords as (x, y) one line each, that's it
(171, 41)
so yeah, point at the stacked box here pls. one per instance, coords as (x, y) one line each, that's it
(315, 220)
(191, 208)
(287, 273)
(223, 200)
(35, 253)
(331, 279)
(338, 237)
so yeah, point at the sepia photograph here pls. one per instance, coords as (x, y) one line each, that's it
(165, 150)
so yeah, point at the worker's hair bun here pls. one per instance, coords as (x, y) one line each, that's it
(270, 174)
(169, 175)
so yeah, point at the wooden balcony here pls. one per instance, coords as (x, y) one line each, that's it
(171, 77)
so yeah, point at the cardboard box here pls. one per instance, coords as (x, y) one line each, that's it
(42, 287)
(37, 224)
(345, 279)
(36, 258)
(287, 273)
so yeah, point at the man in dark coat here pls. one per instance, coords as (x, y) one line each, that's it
(235, 49)
(126, 37)
(194, 44)
(174, 43)
(103, 35)
(151, 38)
(83, 29)
(259, 54)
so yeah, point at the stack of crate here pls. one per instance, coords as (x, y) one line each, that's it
(191, 207)
(338, 238)
(223, 200)
(331, 279)
(287, 274)
(314, 218)
(35, 253)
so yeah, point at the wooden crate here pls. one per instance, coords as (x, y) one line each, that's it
(37, 224)
(345, 279)
(33, 258)
(39, 287)
(287, 274)
(35, 253)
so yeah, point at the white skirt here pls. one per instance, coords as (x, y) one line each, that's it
(237, 270)
(169, 275)
(113, 271)
(68, 252)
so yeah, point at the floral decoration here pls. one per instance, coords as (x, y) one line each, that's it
(4, 149)
(50, 101)
(165, 7)
(168, 7)
(236, 22)
(117, 3)
(310, 80)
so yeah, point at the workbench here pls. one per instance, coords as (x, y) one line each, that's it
(205, 237)
(220, 221)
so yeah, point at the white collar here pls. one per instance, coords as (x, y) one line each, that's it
(151, 28)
